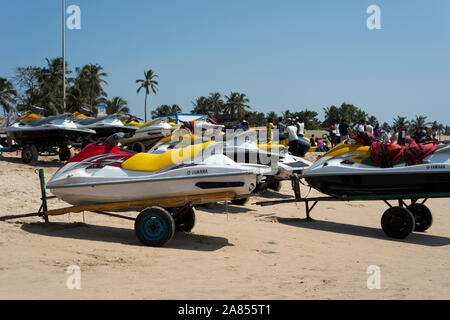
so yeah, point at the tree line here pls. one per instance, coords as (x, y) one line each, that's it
(43, 87)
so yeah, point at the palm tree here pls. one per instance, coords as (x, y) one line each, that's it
(7, 95)
(90, 80)
(117, 105)
(216, 103)
(148, 83)
(174, 109)
(201, 106)
(419, 122)
(237, 104)
(398, 121)
(166, 110)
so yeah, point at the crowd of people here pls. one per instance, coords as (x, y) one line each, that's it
(294, 130)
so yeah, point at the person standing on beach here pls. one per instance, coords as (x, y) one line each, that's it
(293, 138)
(402, 134)
(269, 128)
(343, 130)
(377, 132)
(300, 128)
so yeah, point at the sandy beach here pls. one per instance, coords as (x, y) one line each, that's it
(250, 252)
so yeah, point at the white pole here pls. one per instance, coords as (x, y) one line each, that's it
(64, 52)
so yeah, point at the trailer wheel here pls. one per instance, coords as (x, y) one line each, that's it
(138, 147)
(398, 222)
(65, 153)
(186, 222)
(154, 226)
(240, 202)
(422, 215)
(29, 153)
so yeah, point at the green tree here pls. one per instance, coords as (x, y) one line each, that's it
(257, 119)
(7, 95)
(202, 106)
(90, 81)
(309, 117)
(274, 117)
(216, 103)
(397, 121)
(236, 104)
(166, 110)
(27, 82)
(117, 105)
(148, 83)
(349, 112)
(419, 122)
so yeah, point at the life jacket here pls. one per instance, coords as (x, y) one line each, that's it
(365, 138)
(384, 155)
(415, 153)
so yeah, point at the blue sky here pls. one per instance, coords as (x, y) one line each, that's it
(283, 54)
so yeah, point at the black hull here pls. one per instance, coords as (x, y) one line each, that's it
(381, 184)
(49, 138)
(103, 133)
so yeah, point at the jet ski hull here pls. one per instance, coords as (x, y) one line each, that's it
(343, 175)
(81, 187)
(381, 184)
(52, 136)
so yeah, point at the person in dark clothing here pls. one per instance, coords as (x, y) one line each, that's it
(343, 129)
(313, 141)
(402, 134)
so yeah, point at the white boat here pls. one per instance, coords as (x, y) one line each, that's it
(105, 126)
(149, 133)
(107, 174)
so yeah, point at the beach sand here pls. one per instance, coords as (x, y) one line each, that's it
(250, 252)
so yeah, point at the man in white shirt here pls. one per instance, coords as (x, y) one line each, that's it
(293, 138)
(300, 128)
(338, 133)
(369, 128)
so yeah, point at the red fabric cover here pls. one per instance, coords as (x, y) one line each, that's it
(384, 155)
(415, 153)
(365, 139)
(93, 150)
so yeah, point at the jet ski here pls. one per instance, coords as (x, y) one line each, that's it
(365, 169)
(105, 173)
(105, 126)
(244, 149)
(46, 135)
(148, 133)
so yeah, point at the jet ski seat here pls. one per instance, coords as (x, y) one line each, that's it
(155, 162)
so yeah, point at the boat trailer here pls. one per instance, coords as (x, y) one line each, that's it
(399, 221)
(157, 221)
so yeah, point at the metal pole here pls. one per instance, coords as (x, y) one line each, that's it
(64, 52)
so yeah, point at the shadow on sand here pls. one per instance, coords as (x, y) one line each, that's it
(81, 231)
(221, 208)
(275, 195)
(37, 164)
(360, 231)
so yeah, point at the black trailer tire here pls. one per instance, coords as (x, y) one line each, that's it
(138, 147)
(154, 227)
(65, 153)
(29, 153)
(398, 222)
(422, 216)
(186, 222)
(240, 202)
